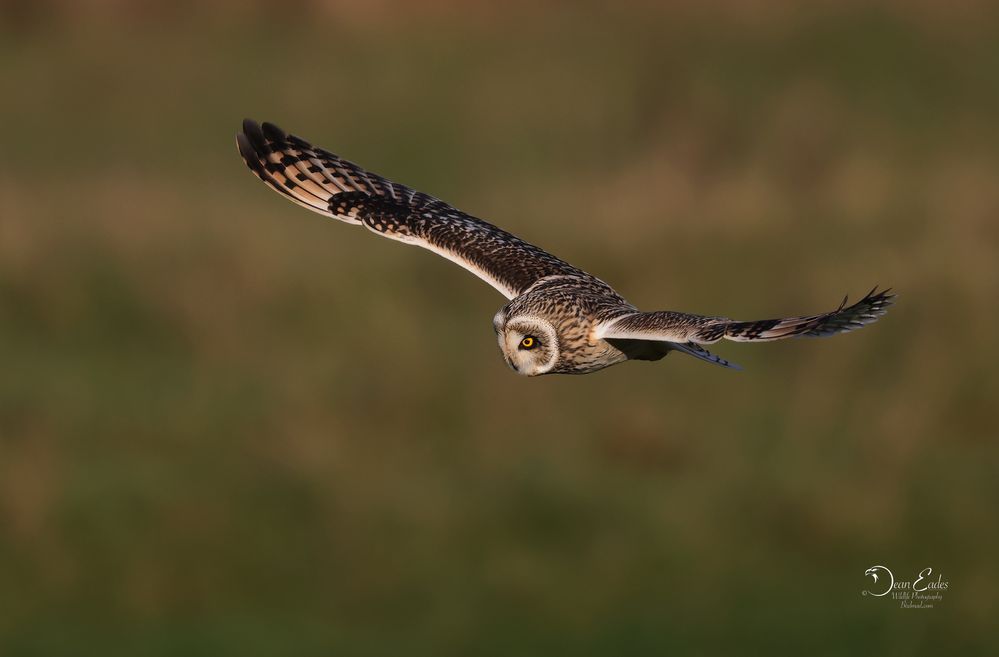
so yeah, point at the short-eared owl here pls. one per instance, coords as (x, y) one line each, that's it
(559, 320)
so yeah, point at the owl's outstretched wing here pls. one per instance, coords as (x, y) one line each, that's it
(686, 329)
(325, 183)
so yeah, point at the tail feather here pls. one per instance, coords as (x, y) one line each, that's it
(697, 351)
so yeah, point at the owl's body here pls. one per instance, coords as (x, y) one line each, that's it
(559, 319)
(574, 306)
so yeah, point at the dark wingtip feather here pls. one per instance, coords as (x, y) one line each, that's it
(246, 150)
(255, 136)
(255, 151)
(273, 133)
(868, 310)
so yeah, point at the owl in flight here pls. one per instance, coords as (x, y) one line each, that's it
(559, 319)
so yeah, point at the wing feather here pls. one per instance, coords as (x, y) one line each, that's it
(329, 185)
(682, 327)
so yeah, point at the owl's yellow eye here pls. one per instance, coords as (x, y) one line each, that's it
(528, 343)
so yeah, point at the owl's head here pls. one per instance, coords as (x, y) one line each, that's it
(529, 343)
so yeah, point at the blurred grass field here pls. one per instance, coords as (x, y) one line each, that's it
(230, 427)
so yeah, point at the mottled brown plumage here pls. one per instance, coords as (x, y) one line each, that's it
(559, 320)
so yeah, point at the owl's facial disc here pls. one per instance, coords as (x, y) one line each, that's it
(529, 345)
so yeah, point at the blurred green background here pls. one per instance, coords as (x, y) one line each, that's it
(230, 427)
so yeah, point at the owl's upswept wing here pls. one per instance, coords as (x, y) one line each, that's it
(677, 327)
(325, 183)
